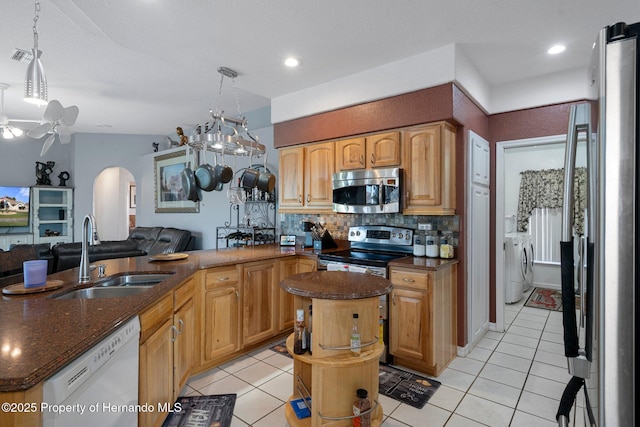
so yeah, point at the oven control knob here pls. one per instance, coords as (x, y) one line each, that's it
(407, 237)
(400, 236)
(393, 235)
(352, 233)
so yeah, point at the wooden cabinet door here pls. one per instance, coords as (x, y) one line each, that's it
(407, 315)
(183, 346)
(156, 374)
(258, 300)
(422, 167)
(291, 179)
(350, 154)
(318, 171)
(286, 310)
(307, 265)
(221, 321)
(383, 150)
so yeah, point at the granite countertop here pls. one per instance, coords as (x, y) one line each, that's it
(425, 263)
(40, 335)
(336, 285)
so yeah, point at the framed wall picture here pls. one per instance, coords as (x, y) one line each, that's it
(169, 194)
(132, 196)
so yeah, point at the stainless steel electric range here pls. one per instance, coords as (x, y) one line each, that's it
(372, 248)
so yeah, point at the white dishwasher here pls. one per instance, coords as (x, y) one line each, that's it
(99, 388)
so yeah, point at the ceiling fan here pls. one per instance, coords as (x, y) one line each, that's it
(56, 121)
(6, 129)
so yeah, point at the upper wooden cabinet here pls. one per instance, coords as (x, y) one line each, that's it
(373, 151)
(425, 152)
(291, 180)
(305, 177)
(429, 167)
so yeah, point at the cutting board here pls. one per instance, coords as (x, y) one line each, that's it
(19, 289)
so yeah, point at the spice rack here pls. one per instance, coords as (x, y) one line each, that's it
(331, 375)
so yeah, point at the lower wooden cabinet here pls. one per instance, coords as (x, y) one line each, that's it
(218, 311)
(156, 360)
(422, 316)
(286, 309)
(259, 293)
(183, 335)
(166, 351)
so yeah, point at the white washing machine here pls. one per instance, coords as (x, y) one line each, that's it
(515, 267)
(529, 254)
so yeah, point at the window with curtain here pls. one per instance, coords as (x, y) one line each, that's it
(543, 189)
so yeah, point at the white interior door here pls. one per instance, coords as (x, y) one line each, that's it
(478, 232)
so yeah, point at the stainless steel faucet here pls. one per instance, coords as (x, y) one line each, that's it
(89, 238)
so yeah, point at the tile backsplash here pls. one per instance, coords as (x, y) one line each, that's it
(338, 224)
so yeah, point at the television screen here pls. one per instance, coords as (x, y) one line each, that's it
(14, 206)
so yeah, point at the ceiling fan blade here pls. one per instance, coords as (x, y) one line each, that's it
(70, 115)
(64, 134)
(40, 131)
(47, 144)
(54, 111)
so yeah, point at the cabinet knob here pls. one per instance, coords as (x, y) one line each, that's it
(223, 279)
(361, 159)
(181, 323)
(174, 333)
(408, 279)
(300, 198)
(237, 296)
(308, 197)
(373, 159)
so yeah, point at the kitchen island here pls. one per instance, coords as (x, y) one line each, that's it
(333, 372)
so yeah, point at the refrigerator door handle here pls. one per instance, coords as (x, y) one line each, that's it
(567, 400)
(579, 121)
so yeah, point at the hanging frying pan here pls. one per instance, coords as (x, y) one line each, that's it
(266, 180)
(206, 177)
(189, 181)
(224, 172)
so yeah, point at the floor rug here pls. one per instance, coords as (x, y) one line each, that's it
(281, 348)
(548, 299)
(406, 387)
(213, 410)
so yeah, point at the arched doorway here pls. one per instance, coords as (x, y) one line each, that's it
(114, 204)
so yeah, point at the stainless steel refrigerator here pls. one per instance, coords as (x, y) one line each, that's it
(601, 325)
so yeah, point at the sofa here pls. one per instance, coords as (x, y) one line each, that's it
(141, 241)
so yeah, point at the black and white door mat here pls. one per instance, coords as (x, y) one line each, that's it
(213, 410)
(406, 387)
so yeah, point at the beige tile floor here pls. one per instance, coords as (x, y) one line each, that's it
(514, 378)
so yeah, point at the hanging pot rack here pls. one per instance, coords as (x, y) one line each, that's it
(221, 135)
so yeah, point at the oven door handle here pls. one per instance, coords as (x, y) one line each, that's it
(381, 196)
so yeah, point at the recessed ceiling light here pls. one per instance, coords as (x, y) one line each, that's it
(291, 62)
(555, 49)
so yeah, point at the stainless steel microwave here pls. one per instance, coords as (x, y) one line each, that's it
(367, 191)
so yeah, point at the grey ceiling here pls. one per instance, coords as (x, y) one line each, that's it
(145, 66)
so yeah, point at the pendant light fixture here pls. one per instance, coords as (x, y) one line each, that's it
(35, 85)
(227, 135)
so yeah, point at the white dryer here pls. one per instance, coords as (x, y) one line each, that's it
(514, 268)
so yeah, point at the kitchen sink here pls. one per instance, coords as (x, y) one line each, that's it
(118, 286)
(135, 279)
(104, 292)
